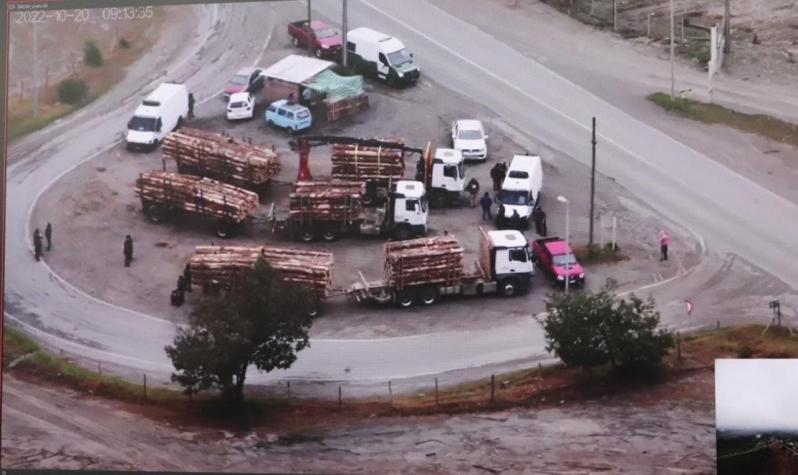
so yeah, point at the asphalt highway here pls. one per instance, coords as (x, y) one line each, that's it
(730, 212)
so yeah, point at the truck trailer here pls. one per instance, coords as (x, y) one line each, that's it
(422, 271)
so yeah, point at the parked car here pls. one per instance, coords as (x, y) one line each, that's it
(554, 257)
(469, 137)
(245, 80)
(325, 41)
(241, 106)
(292, 117)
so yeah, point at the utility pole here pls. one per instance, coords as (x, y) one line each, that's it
(310, 33)
(35, 71)
(614, 15)
(673, 49)
(592, 188)
(727, 28)
(344, 33)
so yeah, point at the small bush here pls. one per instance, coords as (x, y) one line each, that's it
(124, 44)
(92, 54)
(72, 91)
(745, 352)
(703, 55)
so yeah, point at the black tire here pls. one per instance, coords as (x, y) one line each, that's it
(329, 233)
(368, 199)
(509, 288)
(155, 213)
(307, 234)
(402, 233)
(428, 295)
(225, 230)
(406, 298)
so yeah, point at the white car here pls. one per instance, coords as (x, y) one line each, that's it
(469, 137)
(241, 106)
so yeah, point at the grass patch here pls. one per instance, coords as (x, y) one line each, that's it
(597, 254)
(763, 125)
(743, 342)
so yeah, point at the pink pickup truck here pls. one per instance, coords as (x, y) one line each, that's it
(325, 41)
(554, 257)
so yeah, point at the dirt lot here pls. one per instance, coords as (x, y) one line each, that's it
(93, 207)
(669, 428)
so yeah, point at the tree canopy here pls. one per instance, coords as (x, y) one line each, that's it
(261, 321)
(592, 329)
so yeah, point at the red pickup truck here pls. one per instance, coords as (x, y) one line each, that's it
(554, 257)
(325, 41)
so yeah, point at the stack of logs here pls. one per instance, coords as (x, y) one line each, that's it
(353, 162)
(195, 195)
(221, 157)
(338, 201)
(219, 266)
(434, 260)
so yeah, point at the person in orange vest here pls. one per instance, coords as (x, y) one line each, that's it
(664, 242)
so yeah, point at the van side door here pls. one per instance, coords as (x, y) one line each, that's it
(383, 68)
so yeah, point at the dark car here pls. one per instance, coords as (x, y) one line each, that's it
(245, 80)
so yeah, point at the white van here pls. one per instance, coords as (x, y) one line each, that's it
(520, 192)
(378, 55)
(160, 113)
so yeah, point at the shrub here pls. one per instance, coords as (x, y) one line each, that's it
(72, 91)
(92, 54)
(124, 44)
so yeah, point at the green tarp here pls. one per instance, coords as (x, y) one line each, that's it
(336, 87)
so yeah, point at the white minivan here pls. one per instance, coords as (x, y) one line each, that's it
(160, 113)
(520, 192)
(378, 55)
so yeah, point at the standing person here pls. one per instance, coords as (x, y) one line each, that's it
(37, 244)
(502, 172)
(291, 98)
(190, 106)
(515, 220)
(128, 250)
(544, 229)
(181, 283)
(538, 219)
(473, 190)
(486, 203)
(48, 234)
(664, 242)
(420, 170)
(187, 277)
(495, 173)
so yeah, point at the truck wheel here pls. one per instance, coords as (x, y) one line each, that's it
(368, 200)
(429, 295)
(329, 233)
(402, 233)
(307, 235)
(315, 308)
(508, 288)
(319, 53)
(295, 41)
(224, 230)
(156, 214)
(406, 298)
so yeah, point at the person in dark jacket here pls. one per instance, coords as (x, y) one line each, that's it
(515, 220)
(48, 234)
(128, 250)
(486, 203)
(187, 277)
(495, 175)
(538, 220)
(37, 244)
(473, 191)
(190, 106)
(544, 230)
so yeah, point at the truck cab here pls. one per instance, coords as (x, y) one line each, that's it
(447, 177)
(506, 259)
(520, 192)
(410, 209)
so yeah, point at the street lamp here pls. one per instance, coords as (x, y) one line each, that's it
(563, 199)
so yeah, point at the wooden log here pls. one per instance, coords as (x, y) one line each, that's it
(435, 260)
(353, 162)
(339, 201)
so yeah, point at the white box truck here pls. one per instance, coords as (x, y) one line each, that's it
(378, 55)
(162, 111)
(520, 193)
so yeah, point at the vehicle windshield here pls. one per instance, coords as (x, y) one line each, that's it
(302, 114)
(326, 33)
(514, 197)
(469, 135)
(142, 124)
(237, 105)
(240, 80)
(563, 260)
(398, 58)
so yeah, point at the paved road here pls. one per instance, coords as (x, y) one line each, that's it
(682, 184)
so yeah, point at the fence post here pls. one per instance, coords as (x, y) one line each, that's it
(390, 393)
(288, 389)
(145, 385)
(493, 388)
(339, 397)
(436, 391)
(678, 346)
(614, 225)
(648, 25)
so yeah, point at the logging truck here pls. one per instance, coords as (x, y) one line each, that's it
(328, 210)
(443, 171)
(164, 193)
(422, 271)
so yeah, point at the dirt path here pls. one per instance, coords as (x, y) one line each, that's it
(641, 434)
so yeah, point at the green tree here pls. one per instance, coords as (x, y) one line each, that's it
(92, 54)
(72, 91)
(592, 329)
(261, 321)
